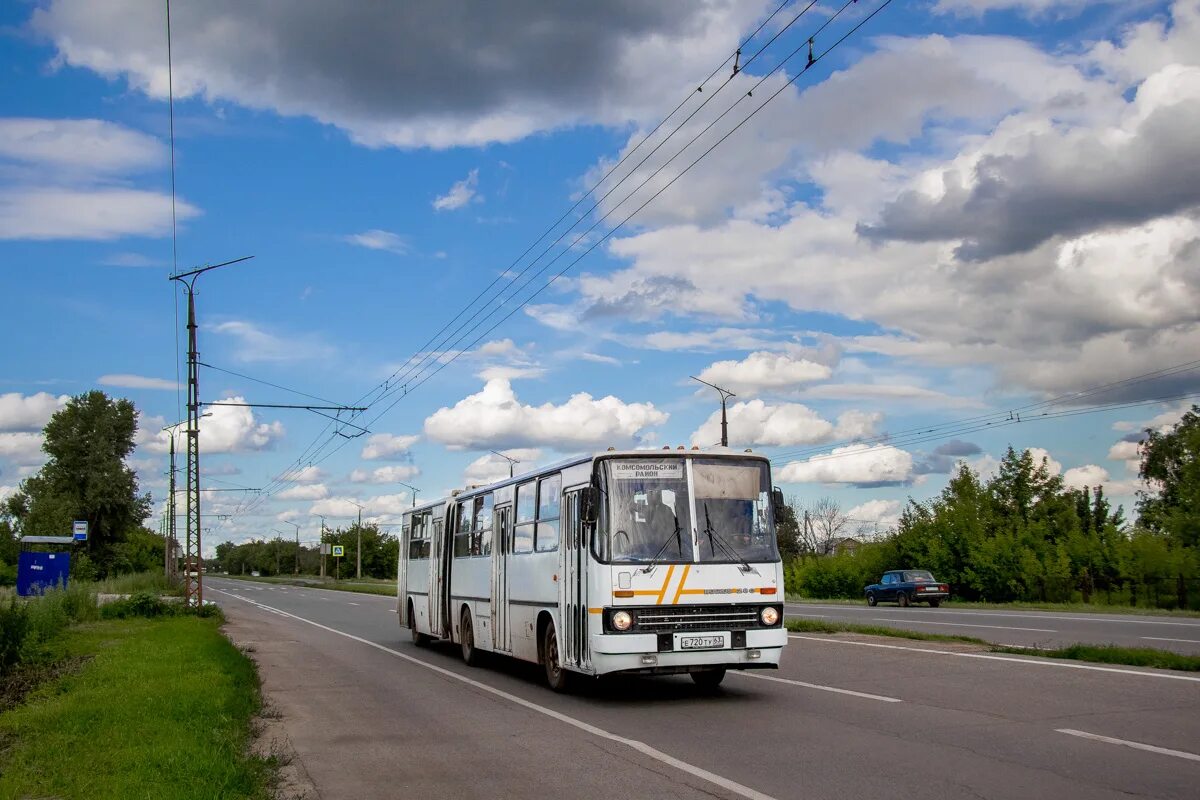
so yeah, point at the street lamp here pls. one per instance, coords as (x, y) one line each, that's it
(297, 527)
(358, 547)
(414, 491)
(322, 548)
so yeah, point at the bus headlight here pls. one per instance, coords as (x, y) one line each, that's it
(622, 620)
(769, 615)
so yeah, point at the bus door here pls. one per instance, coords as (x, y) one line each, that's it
(574, 591)
(437, 582)
(501, 545)
(402, 578)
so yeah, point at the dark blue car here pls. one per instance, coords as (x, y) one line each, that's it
(908, 586)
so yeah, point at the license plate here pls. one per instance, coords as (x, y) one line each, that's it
(701, 642)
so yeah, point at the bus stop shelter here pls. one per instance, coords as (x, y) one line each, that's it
(42, 569)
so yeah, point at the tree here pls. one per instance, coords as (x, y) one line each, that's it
(86, 477)
(1171, 465)
(826, 524)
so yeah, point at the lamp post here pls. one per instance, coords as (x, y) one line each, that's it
(358, 546)
(414, 491)
(297, 527)
(322, 547)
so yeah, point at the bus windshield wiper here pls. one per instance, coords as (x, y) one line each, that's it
(654, 559)
(714, 537)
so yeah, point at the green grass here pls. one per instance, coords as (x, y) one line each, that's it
(380, 586)
(1079, 608)
(820, 626)
(1112, 654)
(162, 709)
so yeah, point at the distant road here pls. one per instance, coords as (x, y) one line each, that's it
(1025, 628)
(372, 716)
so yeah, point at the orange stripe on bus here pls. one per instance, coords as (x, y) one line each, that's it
(666, 583)
(595, 610)
(682, 581)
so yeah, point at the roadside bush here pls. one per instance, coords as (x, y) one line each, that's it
(14, 629)
(141, 604)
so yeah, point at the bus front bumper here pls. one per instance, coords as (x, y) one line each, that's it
(640, 652)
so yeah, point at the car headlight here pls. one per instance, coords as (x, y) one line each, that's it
(769, 615)
(622, 620)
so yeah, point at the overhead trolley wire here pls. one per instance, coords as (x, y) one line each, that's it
(398, 378)
(320, 454)
(405, 387)
(1003, 414)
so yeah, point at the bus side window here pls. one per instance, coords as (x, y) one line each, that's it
(526, 515)
(481, 542)
(549, 510)
(462, 536)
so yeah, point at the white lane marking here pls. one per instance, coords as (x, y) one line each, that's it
(1161, 639)
(879, 697)
(641, 747)
(1126, 743)
(960, 624)
(802, 614)
(1036, 662)
(353, 604)
(943, 612)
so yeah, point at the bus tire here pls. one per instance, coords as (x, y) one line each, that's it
(419, 639)
(709, 679)
(470, 653)
(558, 677)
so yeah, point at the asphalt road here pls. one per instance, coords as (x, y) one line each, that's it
(371, 715)
(1025, 628)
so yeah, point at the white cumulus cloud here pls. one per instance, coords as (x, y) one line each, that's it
(20, 412)
(764, 372)
(460, 194)
(388, 447)
(313, 491)
(376, 239)
(390, 474)
(858, 464)
(494, 418)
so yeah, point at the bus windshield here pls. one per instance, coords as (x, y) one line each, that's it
(655, 511)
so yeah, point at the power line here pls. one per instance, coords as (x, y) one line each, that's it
(1002, 415)
(813, 59)
(409, 377)
(699, 89)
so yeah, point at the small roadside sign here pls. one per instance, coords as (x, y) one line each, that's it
(339, 550)
(79, 530)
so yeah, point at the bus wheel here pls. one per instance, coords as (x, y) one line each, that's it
(709, 678)
(558, 678)
(471, 655)
(419, 639)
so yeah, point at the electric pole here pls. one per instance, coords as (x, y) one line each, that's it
(725, 395)
(358, 548)
(322, 546)
(297, 527)
(193, 557)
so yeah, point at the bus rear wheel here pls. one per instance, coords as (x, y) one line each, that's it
(710, 678)
(558, 678)
(470, 653)
(419, 639)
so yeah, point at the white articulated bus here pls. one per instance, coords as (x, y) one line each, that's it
(640, 562)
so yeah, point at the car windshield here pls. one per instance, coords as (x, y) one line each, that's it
(650, 511)
(918, 576)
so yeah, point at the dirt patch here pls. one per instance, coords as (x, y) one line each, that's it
(16, 686)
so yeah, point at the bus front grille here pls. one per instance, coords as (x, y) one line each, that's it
(694, 618)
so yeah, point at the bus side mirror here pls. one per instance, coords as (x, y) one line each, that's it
(777, 501)
(589, 503)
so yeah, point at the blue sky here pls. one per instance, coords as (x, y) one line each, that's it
(967, 207)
